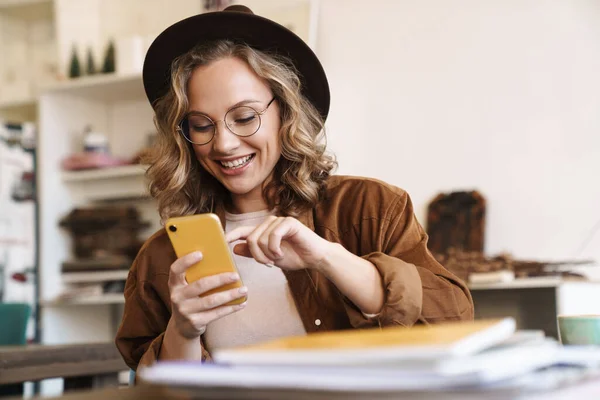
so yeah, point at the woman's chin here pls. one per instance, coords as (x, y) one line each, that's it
(241, 188)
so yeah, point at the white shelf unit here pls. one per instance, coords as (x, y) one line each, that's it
(104, 173)
(94, 276)
(108, 184)
(105, 299)
(101, 87)
(116, 106)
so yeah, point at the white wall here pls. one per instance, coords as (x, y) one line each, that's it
(28, 51)
(502, 96)
(93, 23)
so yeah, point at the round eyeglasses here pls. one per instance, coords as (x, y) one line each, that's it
(243, 121)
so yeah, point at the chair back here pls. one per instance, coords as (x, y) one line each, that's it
(13, 323)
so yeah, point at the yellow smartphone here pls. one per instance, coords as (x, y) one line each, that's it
(204, 233)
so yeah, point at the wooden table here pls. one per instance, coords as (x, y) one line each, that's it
(582, 390)
(82, 366)
(144, 392)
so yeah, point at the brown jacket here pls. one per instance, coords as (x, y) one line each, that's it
(369, 218)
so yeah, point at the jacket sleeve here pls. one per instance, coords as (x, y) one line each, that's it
(417, 288)
(146, 314)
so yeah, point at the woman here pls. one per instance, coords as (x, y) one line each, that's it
(240, 104)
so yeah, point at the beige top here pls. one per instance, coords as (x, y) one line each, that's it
(270, 312)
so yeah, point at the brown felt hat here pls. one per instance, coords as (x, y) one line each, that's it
(239, 24)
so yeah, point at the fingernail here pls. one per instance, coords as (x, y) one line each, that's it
(239, 306)
(234, 277)
(198, 255)
(243, 290)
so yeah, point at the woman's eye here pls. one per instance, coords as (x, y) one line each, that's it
(245, 119)
(202, 128)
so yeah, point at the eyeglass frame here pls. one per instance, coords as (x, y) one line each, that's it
(259, 113)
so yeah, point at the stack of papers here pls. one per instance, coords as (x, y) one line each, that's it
(480, 355)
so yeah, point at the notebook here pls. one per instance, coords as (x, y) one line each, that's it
(374, 346)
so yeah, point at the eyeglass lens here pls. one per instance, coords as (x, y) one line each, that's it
(242, 121)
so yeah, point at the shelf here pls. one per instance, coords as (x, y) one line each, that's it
(101, 87)
(95, 276)
(111, 298)
(527, 283)
(18, 104)
(108, 184)
(105, 173)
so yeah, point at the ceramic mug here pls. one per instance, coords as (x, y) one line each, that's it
(579, 329)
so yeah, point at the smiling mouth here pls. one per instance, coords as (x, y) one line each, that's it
(238, 163)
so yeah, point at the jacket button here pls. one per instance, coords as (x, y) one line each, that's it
(317, 322)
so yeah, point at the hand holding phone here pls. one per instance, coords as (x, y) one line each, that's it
(203, 281)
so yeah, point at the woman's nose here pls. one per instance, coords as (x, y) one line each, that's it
(225, 141)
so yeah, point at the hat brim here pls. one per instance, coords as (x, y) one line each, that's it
(256, 31)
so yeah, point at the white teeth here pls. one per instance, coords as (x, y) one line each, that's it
(236, 163)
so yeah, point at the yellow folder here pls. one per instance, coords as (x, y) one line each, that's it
(375, 345)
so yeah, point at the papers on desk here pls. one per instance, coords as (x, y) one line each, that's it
(488, 354)
(391, 345)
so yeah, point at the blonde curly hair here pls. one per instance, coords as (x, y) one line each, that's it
(177, 180)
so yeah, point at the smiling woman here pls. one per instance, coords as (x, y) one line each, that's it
(240, 104)
(216, 86)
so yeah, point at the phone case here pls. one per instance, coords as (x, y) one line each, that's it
(204, 233)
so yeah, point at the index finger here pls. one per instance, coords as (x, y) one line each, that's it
(239, 233)
(180, 265)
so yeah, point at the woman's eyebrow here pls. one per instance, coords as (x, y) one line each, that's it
(239, 103)
(244, 102)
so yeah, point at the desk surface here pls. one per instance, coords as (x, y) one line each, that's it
(36, 362)
(585, 390)
(145, 392)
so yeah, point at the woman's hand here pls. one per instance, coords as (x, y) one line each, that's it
(191, 313)
(282, 241)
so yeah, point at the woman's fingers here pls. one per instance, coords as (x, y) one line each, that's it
(178, 268)
(192, 312)
(256, 241)
(205, 318)
(240, 233)
(211, 302)
(201, 286)
(195, 312)
(274, 235)
(242, 249)
(195, 323)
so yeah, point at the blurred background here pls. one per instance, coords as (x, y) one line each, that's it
(486, 112)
